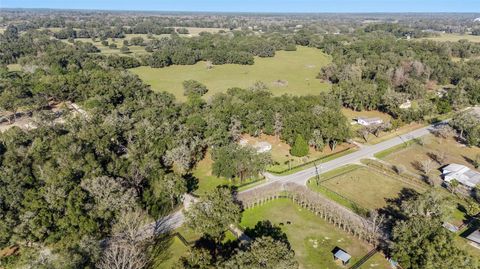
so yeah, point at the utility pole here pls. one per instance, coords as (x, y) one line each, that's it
(317, 173)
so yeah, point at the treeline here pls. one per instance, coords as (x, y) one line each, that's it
(375, 71)
(117, 32)
(233, 48)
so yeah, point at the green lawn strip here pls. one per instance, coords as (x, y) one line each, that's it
(314, 162)
(250, 184)
(338, 172)
(209, 183)
(167, 259)
(336, 197)
(385, 153)
(188, 234)
(311, 238)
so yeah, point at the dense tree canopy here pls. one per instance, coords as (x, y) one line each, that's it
(233, 161)
(420, 241)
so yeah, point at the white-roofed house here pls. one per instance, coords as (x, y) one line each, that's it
(464, 175)
(369, 121)
(262, 147)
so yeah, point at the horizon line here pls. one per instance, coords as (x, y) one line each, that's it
(244, 12)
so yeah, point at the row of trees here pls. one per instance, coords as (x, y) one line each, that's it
(367, 229)
(236, 47)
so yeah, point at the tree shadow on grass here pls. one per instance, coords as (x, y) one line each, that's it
(469, 160)
(393, 211)
(266, 228)
(192, 183)
(160, 250)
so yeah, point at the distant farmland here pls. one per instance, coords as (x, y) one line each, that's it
(286, 73)
(454, 38)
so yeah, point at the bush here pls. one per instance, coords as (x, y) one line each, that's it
(300, 147)
(193, 87)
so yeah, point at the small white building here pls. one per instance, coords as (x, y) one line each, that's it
(369, 121)
(407, 104)
(462, 174)
(262, 147)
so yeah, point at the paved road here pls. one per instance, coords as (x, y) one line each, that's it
(176, 219)
(302, 177)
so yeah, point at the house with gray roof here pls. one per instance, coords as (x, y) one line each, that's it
(464, 175)
(474, 238)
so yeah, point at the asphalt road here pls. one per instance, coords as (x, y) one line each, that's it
(176, 219)
(302, 177)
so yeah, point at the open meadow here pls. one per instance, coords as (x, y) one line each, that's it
(289, 72)
(311, 238)
(454, 37)
(412, 156)
(366, 188)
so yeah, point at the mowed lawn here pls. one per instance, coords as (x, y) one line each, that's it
(167, 259)
(311, 238)
(297, 71)
(369, 189)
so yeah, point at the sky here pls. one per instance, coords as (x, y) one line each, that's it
(256, 5)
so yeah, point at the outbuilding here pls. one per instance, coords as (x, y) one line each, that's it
(341, 255)
(474, 238)
(369, 121)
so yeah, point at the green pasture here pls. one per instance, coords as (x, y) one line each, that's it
(289, 72)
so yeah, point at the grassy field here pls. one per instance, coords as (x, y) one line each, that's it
(454, 153)
(454, 38)
(311, 238)
(365, 187)
(297, 69)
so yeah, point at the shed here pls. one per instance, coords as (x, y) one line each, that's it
(341, 255)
